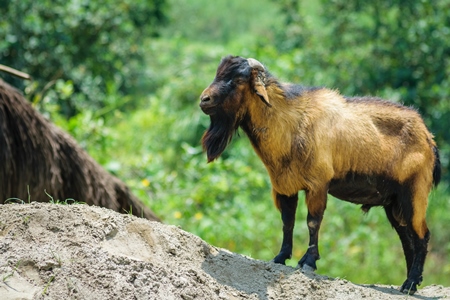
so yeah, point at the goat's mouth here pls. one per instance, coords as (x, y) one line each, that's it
(208, 108)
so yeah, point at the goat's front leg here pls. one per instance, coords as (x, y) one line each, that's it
(287, 206)
(316, 202)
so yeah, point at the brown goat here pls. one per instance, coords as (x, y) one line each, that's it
(363, 150)
(38, 158)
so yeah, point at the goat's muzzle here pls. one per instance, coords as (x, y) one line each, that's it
(206, 104)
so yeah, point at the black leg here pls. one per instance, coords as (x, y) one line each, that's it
(287, 206)
(316, 203)
(405, 237)
(407, 216)
(308, 260)
(415, 274)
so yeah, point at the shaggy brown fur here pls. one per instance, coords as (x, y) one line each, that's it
(363, 150)
(37, 155)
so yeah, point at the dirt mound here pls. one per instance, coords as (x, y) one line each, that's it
(52, 251)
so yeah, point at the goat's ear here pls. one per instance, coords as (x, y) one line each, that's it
(258, 78)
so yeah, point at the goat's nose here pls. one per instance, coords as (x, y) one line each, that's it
(205, 98)
(206, 104)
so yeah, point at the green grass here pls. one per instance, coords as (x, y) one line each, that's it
(20, 201)
(52, 200)
(11, 274)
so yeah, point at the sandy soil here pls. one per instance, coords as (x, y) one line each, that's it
(50, 251)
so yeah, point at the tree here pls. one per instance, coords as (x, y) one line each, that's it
(82, 49)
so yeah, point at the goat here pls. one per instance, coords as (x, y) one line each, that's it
(38, 158)
(363, 150)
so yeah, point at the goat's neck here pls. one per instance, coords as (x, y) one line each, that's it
(270, 128)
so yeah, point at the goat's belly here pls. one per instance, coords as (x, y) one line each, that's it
(364, 189)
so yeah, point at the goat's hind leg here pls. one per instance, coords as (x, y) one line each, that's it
(420, 236)
(407, 216)
(405, 236)
(415, 274)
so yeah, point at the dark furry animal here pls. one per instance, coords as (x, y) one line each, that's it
(363, 150)
(36, 155)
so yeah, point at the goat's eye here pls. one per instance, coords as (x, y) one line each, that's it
(238, 80)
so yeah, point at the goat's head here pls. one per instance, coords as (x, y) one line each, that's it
(238, 81)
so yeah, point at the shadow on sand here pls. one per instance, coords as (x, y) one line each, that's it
(267, 280)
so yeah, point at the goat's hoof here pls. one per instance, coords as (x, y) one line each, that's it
(307, 264)
(306, 268)
(408, 287)
(278, 261)
(281, 258)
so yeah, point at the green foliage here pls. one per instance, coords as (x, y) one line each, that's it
(132, 104)
(78, 52)
(223, 21)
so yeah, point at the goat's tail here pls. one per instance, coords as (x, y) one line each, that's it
(437, 167)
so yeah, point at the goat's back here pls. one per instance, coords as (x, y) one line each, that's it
(326, 136)
(369, 135)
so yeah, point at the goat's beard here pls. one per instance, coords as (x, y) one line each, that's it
(218, 135)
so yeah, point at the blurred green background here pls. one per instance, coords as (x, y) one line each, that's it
(124, 78)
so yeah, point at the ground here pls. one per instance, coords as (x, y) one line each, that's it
(50, 251)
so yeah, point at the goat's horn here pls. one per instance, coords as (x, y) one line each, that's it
(255, 64)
